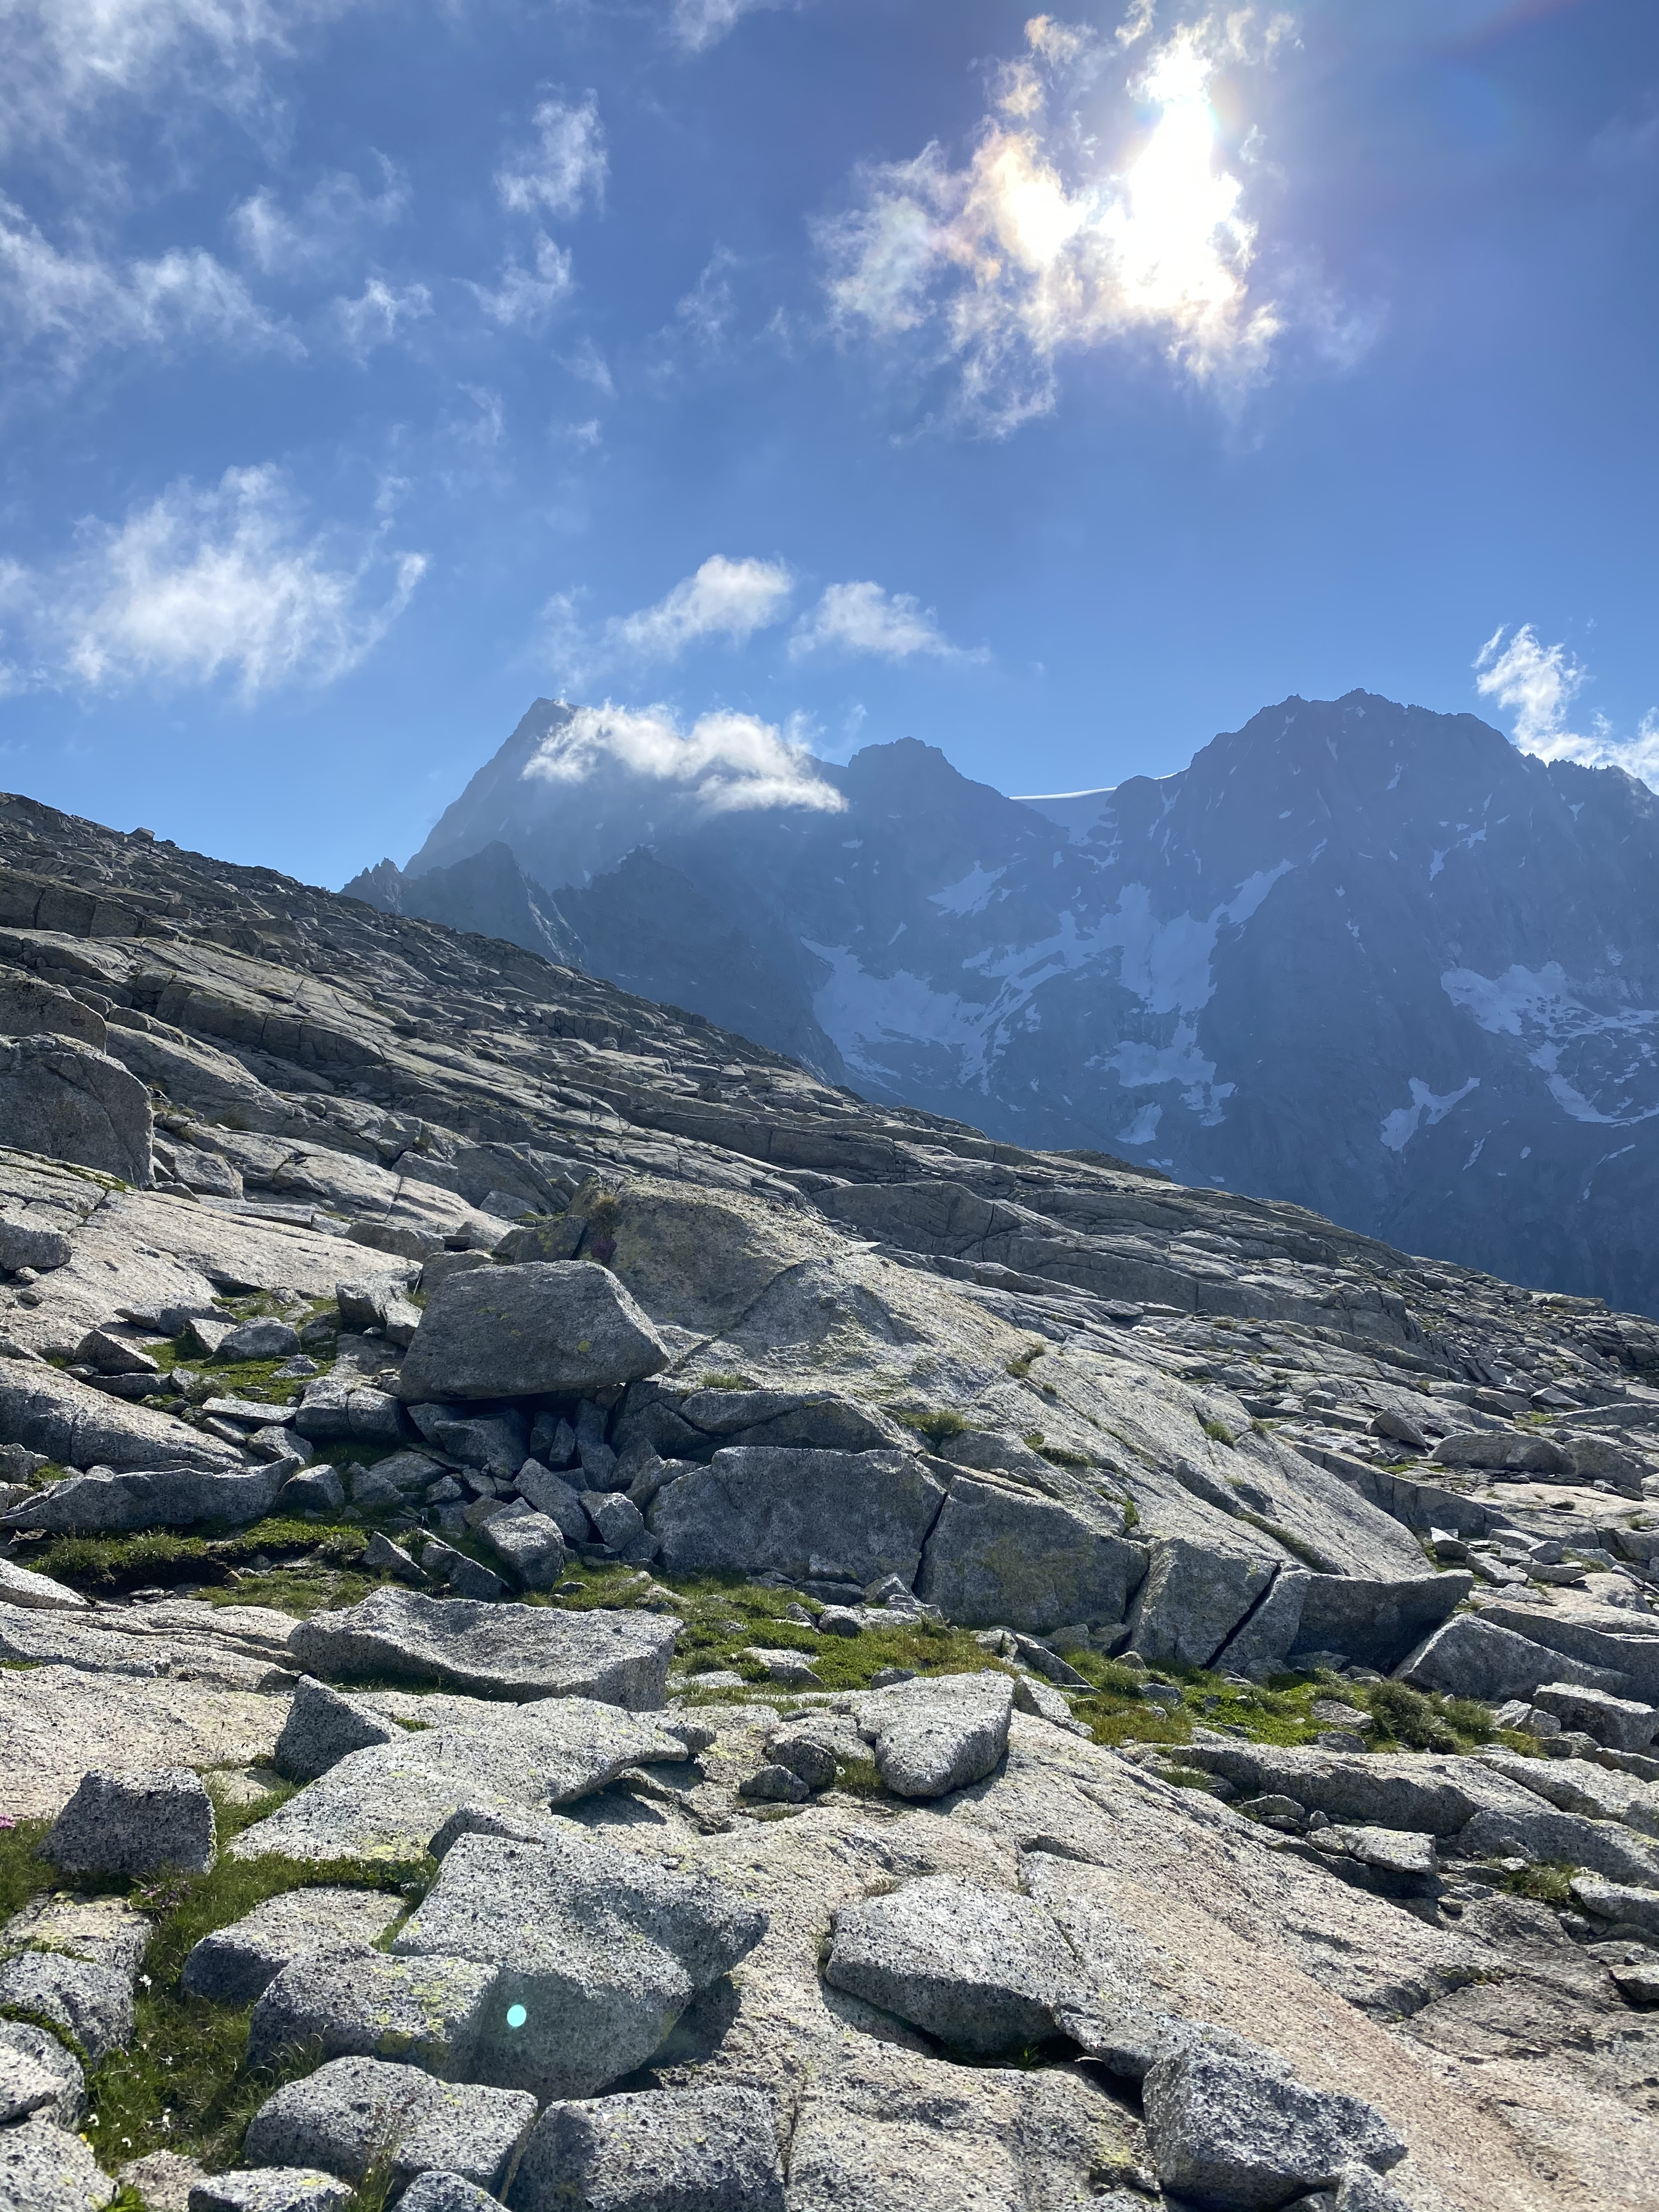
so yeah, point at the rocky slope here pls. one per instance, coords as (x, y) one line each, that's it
(1359, 956)
(998, 1680)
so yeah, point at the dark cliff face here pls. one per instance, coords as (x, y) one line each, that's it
(1358, 955)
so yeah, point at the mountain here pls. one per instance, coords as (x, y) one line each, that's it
(1356, 954)
(930, 1672)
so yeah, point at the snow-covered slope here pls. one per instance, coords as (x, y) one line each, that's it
(1357, 954)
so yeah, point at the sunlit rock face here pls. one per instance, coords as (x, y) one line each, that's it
(1356, 954)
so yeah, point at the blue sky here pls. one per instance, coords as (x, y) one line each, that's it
(1058, 389)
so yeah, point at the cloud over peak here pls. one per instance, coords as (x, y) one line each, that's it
(724, 763)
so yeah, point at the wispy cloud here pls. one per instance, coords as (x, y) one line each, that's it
(700, 24)
(331, 220)
(567, 165)
(64, 58)
(376, 316)
(1063, 234)
(1538, 684)
(724, 761)
(64, 307)
(729, 599)
(862, 617)
(205, 584)
(525, 298)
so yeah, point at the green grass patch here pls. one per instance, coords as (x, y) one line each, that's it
(104, 1563)
(724, 1615)
(1218, 1432)
(721, 1380)
(938, 1424)
(1550, 1881)
(23, 1873)
(1411, 1720)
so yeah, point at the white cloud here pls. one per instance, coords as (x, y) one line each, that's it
(332, 217)
(205, 584)
(861, 618)
(66, 56)
(567, 164)
(68, 307)
(1537, 683)
(699, 24)
(725, 599)
(1054, 240)
(525, 298)
(724, 761)
(374, 319)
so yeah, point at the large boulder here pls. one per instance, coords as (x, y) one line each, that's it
(940, 1732)
(162, 1497)
(756, 1509)
(694, 2150)
(551, 1328)
(597, 1950)
(352, 2112)
(980, 1971)
(61, 1098)
(517, 1651)
(1261, 1645)
(1240, 2135)
(132, 1823)
(388, 1802)
(1470, 1657)
(74, 1425)
(1376, 1623)
(1622, 1724)
(88, 2004)
(1193, 1600)
(1007, 1556)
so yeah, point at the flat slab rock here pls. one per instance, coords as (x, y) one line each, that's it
(599, 1950)
(105, 1930)
(159, 1498)
(271, 2189)
(235, 1964)
(390, 1801)
(20, 1586)
(492, 1650)
(365, 2005)
(58, 1721)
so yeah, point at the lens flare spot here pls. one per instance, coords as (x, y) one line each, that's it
(516, 2016)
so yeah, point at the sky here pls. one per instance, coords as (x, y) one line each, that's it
(771, 374)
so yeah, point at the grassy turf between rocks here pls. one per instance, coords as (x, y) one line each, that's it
(183, 2084)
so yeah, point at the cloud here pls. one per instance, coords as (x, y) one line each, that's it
(700, 24)
(730, 599)
(724, 762)
(204, 584)
(66, 306)
(862, 617)
(1538, 683)
(373, 319)
(66, 56)
(567, 164)
(525, 298)
(1047, 243)
(332, 217)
